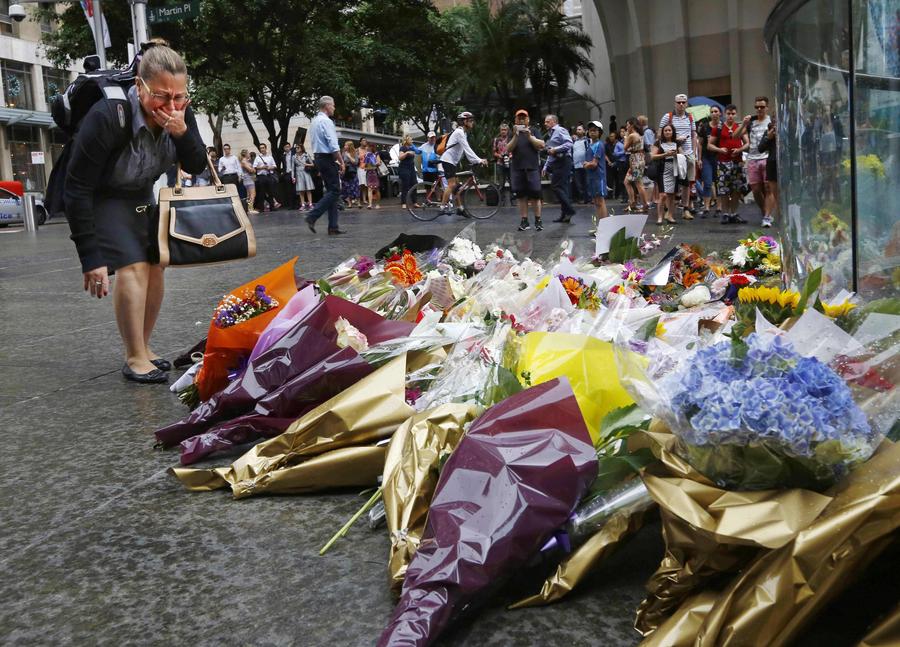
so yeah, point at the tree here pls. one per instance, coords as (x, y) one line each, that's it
(560, 52)
(73, 39)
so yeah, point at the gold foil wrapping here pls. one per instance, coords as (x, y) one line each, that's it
(411, 472)
(710, 532)
(886, 633)
(577, 566)
(789, 555)
(359, 416)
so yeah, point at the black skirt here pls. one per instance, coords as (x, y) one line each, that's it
(125, 228)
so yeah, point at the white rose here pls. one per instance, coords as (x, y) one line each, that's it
(350, 336)
(696, 296)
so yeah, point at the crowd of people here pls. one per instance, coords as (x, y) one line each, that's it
(682, 169)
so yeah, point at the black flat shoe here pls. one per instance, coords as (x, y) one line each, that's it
(311, 224)
(162, 364)
(336, 232)
(155, 376)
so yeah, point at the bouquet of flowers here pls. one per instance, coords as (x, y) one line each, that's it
(770, 408)
(760, 253)
(236, 325)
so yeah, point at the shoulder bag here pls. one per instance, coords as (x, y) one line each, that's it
(203, 224)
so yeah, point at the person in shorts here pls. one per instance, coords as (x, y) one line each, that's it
(686, 137)
(756, 126)
(729, 144)
(525, 169)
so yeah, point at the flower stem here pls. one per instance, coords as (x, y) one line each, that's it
(343, 531)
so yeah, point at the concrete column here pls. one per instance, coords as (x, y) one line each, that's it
(734, 55)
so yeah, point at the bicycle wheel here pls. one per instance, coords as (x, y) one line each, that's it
(423, 202)
(481, 201)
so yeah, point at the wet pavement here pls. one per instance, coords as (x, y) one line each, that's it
(99, 545)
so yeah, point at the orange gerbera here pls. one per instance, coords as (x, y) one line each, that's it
(405, 270)
(573, 288)
(690, 278)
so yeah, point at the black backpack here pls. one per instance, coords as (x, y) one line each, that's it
(69, 108)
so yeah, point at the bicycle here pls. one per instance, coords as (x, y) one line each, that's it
(476, 200)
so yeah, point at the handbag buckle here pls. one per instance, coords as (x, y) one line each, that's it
(209, 240)
(177, 190)
(220, 188)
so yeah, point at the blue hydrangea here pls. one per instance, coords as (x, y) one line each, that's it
(772, 396)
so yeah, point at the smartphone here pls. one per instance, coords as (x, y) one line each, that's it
(753, 118)
(521, 128)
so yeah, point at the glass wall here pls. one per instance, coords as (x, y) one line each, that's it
(23, 141)
(839, 161)
(17, 88)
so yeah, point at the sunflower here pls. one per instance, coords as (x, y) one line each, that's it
(772, 296)
(835, 310)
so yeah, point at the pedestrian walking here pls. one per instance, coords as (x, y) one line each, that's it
(229, 167)
(350, 179)
(649, 136)
(430, 159)
(705, 132)
(620, 161)
(248, 178)
(667, 149)
(525, 173)
(686, 136)
(730, 145)
(265, 178)
(304, 184)
(559, 165)
(362, 150)
(500, 147)
(756, 126)
(286, 179)
(767, 145)
(634, 178)
(407, 167)
(373, 182)
(108, 191)
(595, 171)
(581, 151)
(329, 164)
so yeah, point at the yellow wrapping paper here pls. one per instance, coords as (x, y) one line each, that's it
(575, 567)
(709, 531)
(411, 472)
(587, 362)
(366, 412)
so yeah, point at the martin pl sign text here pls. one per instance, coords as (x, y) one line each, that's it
(174, 11)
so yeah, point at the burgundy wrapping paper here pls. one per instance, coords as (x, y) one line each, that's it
(310, 341)
(513, 480)
(275, 411)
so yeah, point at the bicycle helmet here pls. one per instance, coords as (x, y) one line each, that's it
(464, 115)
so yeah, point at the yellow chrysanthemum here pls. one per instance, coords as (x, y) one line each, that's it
(836, 310)
(772, 263)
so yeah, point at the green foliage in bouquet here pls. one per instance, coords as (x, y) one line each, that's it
(615, 462)
(623, 248)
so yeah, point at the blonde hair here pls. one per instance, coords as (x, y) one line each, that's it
(160, 59)
(406, 141)
(350, 147)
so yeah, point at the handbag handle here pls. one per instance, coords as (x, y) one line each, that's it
(212, 173)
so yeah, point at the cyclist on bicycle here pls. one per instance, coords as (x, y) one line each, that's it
(457, 145)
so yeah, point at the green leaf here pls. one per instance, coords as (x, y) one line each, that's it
(811, 285)
(324, 286)
(613, 470)
(648, 330)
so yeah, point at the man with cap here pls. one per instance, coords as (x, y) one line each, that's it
(525, 170)
(430, 159)
(686, 136)
(559, 165)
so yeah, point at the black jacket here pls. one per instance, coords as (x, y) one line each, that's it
(98, 141)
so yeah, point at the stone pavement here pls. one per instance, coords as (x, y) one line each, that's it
(99, 545)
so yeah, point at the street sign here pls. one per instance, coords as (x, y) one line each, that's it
(174, 12)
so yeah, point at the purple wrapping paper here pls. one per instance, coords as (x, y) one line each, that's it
(309, 342)
(513, 480)
(275, 412)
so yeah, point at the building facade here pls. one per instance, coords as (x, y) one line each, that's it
(659, 48)
(27, 81)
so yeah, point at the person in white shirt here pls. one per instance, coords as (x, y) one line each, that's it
(756, 126)
(457, 146)
(229, 167)
(265, 178)
(686, 138)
